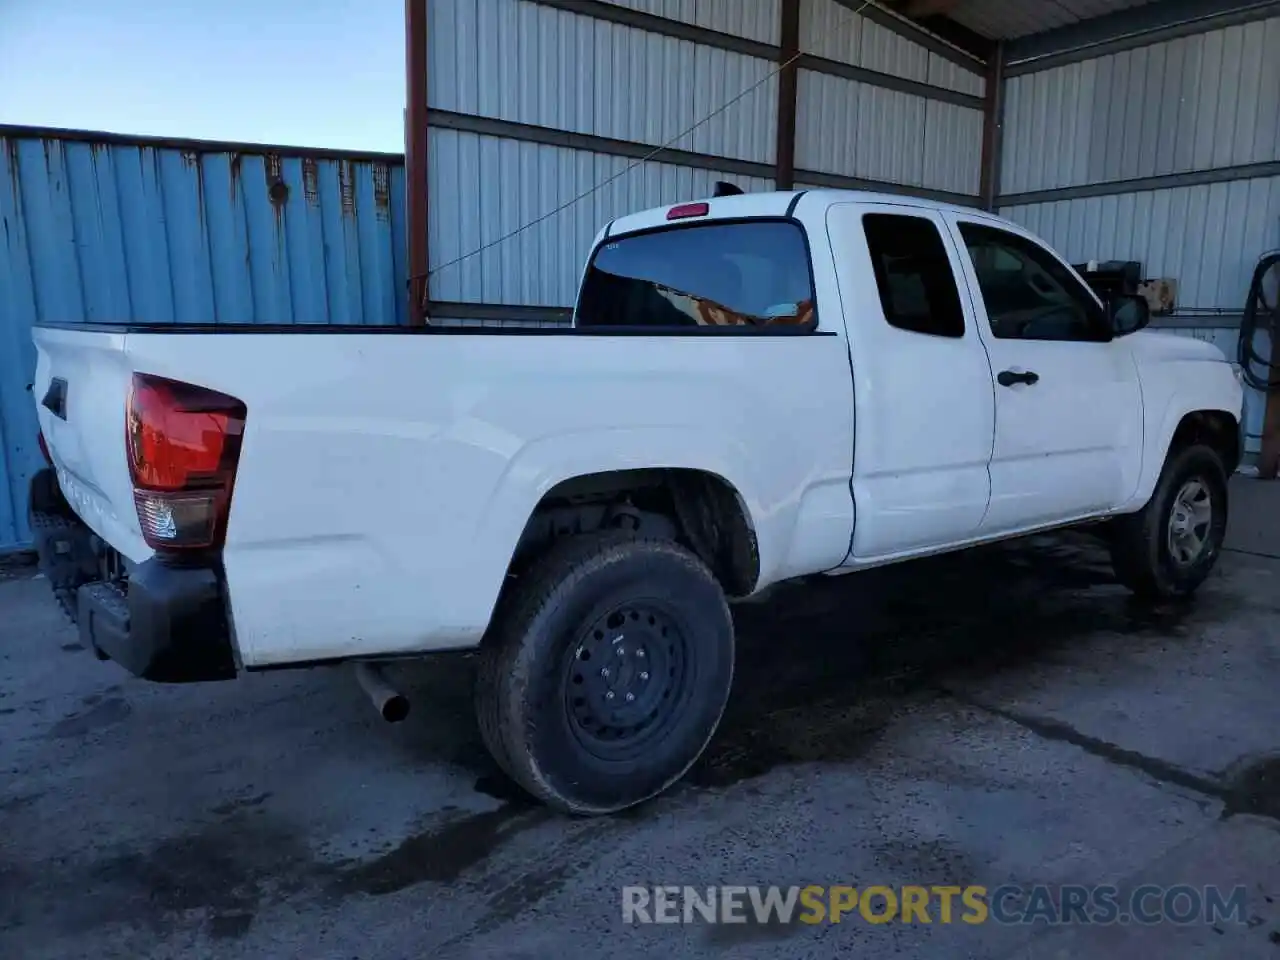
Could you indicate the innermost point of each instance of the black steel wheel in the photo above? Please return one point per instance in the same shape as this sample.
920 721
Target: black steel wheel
626 680
606 672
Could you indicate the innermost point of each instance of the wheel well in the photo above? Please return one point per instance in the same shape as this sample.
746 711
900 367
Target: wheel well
1213 428
694 507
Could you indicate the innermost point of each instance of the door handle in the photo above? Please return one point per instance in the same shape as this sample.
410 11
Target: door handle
1009 377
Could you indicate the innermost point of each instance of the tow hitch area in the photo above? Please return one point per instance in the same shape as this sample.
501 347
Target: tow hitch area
160 622
64 545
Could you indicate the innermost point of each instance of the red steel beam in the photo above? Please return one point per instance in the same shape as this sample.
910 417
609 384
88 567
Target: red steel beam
788 92
415 156
992 129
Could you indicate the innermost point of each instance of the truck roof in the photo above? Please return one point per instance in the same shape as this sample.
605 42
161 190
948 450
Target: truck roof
777 204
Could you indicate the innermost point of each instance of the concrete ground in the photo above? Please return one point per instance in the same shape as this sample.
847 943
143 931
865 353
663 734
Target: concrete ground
1004 716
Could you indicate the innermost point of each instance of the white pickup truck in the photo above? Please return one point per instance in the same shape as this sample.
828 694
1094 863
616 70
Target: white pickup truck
754 388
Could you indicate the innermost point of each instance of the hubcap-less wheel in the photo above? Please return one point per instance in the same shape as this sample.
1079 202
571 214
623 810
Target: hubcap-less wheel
606 672
1190 522
624 680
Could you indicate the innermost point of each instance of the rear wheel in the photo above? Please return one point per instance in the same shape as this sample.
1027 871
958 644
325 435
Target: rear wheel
606 672
1170 547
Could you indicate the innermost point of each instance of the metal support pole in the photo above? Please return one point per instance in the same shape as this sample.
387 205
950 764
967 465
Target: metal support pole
993 128
788 92
415 156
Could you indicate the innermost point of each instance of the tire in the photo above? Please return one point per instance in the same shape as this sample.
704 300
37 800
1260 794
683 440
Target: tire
649 613
1148 555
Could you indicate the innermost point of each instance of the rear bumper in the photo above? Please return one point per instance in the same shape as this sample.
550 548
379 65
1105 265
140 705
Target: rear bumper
168 625
165 623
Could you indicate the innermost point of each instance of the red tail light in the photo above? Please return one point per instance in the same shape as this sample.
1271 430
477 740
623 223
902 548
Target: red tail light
184 445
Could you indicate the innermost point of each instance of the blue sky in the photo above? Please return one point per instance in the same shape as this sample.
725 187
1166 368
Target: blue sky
323 73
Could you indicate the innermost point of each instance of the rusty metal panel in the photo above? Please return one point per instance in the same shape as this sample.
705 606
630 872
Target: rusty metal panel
534 64
833 31
858 130
484 188
106 230
754 19
1197 103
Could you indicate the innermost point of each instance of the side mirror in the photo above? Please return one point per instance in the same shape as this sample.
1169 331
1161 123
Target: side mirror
1129 314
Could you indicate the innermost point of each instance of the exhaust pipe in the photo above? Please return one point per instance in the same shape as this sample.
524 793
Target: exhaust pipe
390 703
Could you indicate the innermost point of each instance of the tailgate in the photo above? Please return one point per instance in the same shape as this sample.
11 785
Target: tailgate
80 391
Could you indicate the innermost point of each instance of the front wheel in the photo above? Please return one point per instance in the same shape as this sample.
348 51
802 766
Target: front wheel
1170 547
606 672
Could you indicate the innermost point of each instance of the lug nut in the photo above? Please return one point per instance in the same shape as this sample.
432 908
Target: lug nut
630 697
644 674
622 651
609 695
640 653
604 672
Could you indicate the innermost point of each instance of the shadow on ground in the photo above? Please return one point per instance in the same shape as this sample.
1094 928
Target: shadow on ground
824 665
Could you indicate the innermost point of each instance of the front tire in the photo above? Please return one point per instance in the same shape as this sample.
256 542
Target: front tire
606 672
1170 547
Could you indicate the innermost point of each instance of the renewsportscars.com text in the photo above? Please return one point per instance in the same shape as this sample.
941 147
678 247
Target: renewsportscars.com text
1008 904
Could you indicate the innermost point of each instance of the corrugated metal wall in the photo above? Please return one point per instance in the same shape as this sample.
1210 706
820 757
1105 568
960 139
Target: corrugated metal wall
1201 102
1208 237
521 62
533 103
520 182
834 32
857 129
1164 154
107 230
755 19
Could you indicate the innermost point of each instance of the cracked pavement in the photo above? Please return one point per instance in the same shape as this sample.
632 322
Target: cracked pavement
1007 715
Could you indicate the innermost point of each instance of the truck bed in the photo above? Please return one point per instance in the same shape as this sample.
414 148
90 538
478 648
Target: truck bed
385 481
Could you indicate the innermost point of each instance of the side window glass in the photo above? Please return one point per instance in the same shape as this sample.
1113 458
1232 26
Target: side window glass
1028 293
917 287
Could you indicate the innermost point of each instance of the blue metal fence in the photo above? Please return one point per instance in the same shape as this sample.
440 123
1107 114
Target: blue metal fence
96 227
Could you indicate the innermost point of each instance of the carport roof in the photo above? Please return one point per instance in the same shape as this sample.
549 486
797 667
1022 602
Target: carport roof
1041 32
1006 19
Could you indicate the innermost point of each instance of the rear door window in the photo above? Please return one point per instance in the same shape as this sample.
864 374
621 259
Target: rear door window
749 275
917 286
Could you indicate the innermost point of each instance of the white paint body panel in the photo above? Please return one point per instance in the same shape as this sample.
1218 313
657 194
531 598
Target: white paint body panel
1069 446
385 478
926 414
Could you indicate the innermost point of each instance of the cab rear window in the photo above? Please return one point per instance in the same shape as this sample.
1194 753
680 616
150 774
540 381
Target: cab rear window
747 274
